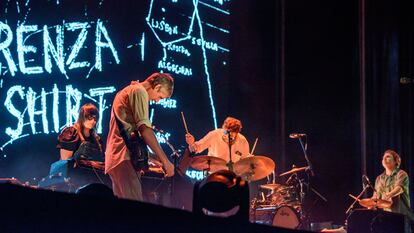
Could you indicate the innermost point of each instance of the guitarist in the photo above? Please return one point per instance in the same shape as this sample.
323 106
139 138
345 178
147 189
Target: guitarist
130 114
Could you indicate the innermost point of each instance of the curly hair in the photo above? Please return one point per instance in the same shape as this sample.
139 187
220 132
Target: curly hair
395 155
232 124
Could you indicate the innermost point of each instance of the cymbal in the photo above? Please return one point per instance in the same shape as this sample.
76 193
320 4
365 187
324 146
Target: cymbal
375 203
254 167
294 170
271 187
209 163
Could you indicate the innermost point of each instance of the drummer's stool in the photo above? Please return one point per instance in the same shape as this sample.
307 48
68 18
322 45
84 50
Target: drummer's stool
377 221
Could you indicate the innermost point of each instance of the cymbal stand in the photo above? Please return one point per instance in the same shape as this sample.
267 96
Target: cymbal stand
271 179
304 146
317 193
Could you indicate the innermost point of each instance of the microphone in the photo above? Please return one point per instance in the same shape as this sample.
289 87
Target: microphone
365 181
297 135
227 132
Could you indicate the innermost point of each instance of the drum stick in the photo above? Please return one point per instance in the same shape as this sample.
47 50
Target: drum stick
354 197
254 146
185 124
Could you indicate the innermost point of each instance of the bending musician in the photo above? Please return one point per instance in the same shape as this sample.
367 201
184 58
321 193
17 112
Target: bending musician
130 110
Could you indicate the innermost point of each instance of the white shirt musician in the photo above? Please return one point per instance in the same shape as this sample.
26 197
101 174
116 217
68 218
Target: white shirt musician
217 141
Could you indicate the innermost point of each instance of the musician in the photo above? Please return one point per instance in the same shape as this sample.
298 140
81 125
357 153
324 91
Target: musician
217 141
393 184
131 106
81 141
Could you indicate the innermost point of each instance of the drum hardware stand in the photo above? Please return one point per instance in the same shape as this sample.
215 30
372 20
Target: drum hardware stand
304 146
301 183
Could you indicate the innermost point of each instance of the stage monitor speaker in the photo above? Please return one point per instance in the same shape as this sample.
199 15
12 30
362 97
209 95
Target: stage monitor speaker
376 221
221 194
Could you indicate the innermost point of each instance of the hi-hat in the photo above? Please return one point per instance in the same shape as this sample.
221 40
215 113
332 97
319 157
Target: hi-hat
208 163
294 170
254 167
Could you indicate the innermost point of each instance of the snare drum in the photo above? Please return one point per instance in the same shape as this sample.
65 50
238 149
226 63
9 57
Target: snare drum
282 216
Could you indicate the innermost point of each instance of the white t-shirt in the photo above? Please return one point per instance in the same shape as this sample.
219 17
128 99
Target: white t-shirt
218 147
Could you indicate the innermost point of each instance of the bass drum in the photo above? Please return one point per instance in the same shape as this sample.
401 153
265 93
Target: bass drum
287 217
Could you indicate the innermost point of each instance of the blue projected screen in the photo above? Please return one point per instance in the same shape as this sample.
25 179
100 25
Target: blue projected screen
56 55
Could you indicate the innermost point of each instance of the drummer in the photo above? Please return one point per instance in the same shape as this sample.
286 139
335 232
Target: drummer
217 141
393 184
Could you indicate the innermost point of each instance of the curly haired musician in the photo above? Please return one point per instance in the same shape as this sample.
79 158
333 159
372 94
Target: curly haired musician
393 184
131 106
217 141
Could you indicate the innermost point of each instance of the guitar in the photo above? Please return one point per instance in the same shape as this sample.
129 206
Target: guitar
138 151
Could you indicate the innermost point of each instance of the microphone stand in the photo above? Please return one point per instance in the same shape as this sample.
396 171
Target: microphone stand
230 163
367 182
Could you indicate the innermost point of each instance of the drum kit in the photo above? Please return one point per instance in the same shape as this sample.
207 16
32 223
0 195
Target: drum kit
251 168
281 205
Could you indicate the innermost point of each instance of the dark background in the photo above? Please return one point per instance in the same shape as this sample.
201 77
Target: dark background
332 70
